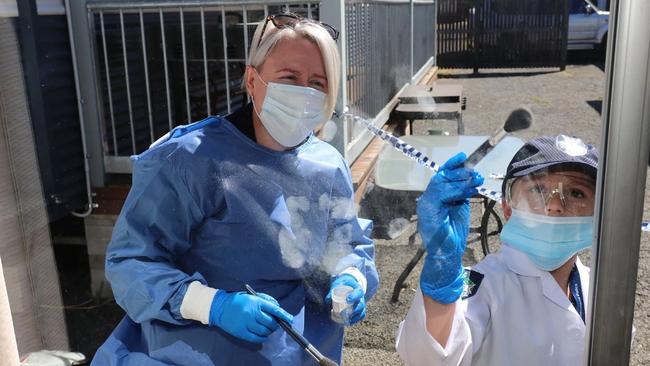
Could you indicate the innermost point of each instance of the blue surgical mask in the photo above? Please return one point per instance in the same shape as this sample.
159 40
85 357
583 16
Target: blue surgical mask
549 241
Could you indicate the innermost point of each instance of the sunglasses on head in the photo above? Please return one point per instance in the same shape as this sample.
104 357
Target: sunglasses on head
290 20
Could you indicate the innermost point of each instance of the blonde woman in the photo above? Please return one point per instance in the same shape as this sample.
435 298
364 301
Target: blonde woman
250 198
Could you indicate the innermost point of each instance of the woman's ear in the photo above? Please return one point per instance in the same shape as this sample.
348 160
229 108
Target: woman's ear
507 210
250 78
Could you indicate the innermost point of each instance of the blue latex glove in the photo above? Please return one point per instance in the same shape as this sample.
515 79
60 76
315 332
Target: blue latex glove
247 317
355 297
443 222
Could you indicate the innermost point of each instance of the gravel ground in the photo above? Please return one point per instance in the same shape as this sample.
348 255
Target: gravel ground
562 102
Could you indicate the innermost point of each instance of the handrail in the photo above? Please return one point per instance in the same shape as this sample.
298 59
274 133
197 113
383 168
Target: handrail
112 4
390 1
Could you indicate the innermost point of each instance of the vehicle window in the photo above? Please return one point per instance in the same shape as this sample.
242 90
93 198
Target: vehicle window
576 7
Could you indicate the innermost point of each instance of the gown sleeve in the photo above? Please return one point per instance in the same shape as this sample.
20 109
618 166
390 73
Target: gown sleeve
153 230
350 236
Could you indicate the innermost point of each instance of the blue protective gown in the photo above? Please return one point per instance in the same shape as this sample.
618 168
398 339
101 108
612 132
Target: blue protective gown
211 205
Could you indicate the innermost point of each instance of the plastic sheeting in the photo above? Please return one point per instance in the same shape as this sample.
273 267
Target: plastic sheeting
8 346
25 245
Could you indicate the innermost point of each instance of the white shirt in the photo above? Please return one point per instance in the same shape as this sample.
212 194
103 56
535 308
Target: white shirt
518 315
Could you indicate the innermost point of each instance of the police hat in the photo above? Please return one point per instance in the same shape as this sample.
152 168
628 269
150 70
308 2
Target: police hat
544 152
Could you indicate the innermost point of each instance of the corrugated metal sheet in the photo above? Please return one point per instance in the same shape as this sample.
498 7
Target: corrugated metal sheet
58 138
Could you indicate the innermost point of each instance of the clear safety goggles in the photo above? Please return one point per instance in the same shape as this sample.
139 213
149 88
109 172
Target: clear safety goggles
541 192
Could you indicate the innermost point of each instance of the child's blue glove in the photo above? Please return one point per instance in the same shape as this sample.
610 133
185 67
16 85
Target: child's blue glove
443 222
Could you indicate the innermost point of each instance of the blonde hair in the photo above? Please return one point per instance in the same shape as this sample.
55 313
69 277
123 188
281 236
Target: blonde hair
315 33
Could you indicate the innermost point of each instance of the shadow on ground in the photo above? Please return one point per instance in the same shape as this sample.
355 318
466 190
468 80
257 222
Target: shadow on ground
578 57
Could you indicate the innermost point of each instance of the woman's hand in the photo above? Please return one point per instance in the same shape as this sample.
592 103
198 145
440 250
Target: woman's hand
248 317
355 298
443 222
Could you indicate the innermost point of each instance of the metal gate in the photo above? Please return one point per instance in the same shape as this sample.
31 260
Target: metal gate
502 33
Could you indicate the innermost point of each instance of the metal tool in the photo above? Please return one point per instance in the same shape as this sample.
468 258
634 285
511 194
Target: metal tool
302 341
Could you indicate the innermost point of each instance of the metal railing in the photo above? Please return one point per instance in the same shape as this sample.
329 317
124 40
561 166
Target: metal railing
378 51
162 63
389 44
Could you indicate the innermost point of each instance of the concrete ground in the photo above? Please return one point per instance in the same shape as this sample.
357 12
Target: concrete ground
565 102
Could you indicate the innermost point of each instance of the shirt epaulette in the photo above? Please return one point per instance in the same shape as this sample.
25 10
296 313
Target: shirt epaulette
472 280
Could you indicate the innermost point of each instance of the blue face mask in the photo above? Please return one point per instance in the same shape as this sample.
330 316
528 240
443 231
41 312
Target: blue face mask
547 240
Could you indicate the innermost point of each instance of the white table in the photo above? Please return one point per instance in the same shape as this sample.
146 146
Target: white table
396 171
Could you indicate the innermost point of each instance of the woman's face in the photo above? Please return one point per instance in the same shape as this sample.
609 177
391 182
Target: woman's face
294 61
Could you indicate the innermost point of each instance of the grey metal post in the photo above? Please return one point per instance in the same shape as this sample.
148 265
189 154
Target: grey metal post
333 12
79 19
225 54
435 35
621 183
412 36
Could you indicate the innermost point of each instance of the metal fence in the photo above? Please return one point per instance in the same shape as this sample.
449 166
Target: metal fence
424 33
388 42
502 33
162 63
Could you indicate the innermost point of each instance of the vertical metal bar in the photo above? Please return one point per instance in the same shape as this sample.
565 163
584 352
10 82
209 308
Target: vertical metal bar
187 82
374 81
108 83
625 143
362 58
83 34
435 33
565 36
245 12
266 11
164 51
309 11
128 82
225 54
146 75
205 63
359 49
370 68
412 16
82 119
333 12
352 22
